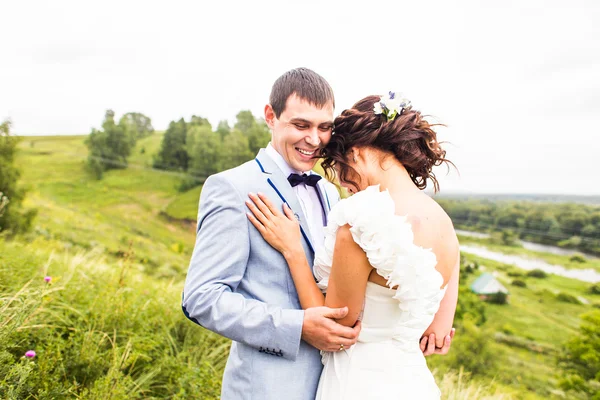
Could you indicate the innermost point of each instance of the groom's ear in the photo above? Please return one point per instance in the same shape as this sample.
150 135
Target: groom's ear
269 116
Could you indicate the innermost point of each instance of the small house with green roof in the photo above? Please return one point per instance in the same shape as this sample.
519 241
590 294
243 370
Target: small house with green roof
486 285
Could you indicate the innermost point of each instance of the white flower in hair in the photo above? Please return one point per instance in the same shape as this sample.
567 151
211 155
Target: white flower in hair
391 105
377 109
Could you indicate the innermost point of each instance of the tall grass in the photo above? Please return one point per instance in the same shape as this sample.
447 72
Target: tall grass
457 386
99 331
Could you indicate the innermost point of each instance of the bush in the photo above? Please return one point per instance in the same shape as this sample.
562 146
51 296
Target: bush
497 298
13 218
473 351
594 289
567 298
514 274
578 258
545 295
519 283
537 273
469 307
579 358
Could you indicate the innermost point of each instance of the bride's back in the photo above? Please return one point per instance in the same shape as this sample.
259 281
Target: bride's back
432 229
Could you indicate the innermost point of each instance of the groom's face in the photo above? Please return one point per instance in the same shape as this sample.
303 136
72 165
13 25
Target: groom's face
300 132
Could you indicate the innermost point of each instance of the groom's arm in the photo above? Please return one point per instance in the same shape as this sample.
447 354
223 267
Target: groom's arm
218 265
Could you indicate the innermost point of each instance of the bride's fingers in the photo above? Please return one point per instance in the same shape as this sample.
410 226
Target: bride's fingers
261 205
446 347
257 213
269 204
430 345
288 212
256 223
423 343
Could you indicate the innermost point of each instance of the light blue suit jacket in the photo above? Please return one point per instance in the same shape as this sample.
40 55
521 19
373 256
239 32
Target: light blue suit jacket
240 287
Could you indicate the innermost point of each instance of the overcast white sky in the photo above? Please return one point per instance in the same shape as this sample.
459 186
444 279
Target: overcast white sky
517 82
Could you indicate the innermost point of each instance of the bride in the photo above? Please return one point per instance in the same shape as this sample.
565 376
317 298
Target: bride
389 251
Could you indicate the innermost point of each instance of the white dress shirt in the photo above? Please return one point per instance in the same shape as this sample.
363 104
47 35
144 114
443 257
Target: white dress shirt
308 197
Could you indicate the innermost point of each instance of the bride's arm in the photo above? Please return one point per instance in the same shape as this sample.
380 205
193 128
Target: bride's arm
283 233
349 272
309 293
441 327
349 275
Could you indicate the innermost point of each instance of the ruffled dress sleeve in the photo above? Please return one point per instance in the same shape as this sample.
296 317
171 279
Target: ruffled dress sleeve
388 241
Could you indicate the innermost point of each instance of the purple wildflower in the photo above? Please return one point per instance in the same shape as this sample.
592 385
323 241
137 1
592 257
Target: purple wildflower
30 354
392 95
47 279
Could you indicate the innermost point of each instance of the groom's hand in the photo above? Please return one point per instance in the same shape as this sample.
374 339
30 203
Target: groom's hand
321 331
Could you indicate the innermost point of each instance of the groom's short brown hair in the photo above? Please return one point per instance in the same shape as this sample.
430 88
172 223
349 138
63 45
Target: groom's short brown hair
306 84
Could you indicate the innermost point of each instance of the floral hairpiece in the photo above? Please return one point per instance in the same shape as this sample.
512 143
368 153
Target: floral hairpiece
391 105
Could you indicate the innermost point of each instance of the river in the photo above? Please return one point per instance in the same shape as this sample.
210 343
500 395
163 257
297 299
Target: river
586 275
543 248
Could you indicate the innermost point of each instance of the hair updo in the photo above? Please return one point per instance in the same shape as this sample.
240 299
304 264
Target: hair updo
409 138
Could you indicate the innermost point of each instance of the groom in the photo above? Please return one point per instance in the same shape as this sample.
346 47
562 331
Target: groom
238 285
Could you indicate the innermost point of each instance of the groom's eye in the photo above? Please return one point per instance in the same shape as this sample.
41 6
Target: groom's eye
300 126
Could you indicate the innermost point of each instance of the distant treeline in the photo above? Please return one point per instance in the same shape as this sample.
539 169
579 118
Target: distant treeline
544 198
192 147
563 224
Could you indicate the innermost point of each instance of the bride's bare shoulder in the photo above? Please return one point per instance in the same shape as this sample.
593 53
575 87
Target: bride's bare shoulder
432 229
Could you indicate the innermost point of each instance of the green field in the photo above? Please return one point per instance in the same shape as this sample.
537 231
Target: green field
111 323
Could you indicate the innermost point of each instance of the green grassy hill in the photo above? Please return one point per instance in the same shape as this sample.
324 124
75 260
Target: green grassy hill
122 210
110 322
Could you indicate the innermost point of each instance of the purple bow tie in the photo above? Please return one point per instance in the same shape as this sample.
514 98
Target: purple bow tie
310 180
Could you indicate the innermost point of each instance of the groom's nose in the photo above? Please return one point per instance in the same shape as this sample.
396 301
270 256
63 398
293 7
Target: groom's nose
312 137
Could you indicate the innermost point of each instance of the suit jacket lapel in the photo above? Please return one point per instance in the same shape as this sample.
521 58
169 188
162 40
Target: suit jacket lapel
282 187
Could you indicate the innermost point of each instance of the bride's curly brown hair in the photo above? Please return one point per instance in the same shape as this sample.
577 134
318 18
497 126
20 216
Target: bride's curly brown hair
409 137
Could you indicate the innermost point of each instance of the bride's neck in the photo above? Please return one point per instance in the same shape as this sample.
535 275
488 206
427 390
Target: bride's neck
393 177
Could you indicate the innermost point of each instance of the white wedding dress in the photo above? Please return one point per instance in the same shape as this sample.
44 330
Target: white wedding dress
386 362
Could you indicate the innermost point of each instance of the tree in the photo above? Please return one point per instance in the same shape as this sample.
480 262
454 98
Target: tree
173 154
258 137
197 120
108 147
137 126
12 217
573 221
244 121
257 132
204 148
580 358
223 129
235 150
